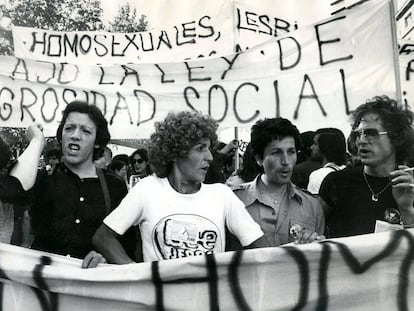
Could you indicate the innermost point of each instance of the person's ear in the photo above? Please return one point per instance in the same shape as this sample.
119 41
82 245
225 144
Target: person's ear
259 160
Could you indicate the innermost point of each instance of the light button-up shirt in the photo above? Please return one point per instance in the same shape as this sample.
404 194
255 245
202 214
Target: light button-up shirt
296 206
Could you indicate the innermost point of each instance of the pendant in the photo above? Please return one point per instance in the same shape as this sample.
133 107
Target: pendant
374 197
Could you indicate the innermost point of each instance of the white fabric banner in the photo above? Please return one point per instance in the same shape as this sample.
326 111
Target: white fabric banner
368 272
200 29
258 21
314 76
406 58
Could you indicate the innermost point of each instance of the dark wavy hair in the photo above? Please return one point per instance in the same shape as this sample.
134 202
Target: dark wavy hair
176 135
397 121
264 131
141 152
102 132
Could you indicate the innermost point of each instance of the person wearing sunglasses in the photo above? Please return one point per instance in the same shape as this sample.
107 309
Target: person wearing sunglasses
178 215
139 166
355 198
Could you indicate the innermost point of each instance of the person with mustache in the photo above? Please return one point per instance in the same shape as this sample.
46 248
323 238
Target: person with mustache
70 204
285 212
355 198
178 215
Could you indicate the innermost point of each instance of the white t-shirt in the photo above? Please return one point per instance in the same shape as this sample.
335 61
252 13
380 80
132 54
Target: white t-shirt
317 176
175 225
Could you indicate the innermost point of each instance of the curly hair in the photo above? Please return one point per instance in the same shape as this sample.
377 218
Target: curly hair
264 131
102 132
176 135
397 121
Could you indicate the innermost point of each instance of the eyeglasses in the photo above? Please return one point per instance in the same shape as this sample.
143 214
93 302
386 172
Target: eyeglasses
368 134
139 161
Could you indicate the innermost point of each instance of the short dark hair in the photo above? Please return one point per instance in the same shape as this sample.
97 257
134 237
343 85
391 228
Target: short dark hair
54 153
121 157
264 131
176 135
250 168
306 142
396 120
332 145
102 132
116 165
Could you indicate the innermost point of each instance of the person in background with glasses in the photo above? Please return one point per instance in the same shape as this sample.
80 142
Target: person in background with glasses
355 198
139 166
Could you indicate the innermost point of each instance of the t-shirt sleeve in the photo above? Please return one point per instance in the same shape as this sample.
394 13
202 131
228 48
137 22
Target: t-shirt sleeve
314 184
10 189
129 211
326 190
239 222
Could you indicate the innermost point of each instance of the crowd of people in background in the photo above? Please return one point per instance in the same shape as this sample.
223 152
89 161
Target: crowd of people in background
182 195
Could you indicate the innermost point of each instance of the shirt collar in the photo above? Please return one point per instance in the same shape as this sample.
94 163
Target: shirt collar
253 192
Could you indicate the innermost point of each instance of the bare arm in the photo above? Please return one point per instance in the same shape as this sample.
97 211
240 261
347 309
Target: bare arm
25 169
259 243
106 242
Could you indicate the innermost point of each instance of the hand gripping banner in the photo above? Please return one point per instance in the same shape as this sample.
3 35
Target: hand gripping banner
367 272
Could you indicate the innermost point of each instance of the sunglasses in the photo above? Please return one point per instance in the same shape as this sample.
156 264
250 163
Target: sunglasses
139 161
368 134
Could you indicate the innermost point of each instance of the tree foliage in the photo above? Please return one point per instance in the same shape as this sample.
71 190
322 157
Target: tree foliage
68 15
65 15
127 20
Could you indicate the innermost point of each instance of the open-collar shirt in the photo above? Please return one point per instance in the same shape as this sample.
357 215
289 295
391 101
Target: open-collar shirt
277 215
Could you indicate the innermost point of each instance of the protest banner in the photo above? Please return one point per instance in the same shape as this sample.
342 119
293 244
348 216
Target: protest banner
406 59
201 29
181 38
314 76
257 22
366 272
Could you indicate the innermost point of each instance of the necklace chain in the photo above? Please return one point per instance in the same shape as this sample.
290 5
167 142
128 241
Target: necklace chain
374 196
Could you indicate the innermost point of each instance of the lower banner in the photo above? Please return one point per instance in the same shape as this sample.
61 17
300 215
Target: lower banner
368 272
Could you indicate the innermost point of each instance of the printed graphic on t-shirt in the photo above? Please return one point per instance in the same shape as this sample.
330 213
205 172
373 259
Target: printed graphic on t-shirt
183 235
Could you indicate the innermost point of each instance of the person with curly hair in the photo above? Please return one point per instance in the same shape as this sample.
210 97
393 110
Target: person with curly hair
178 215
355 198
